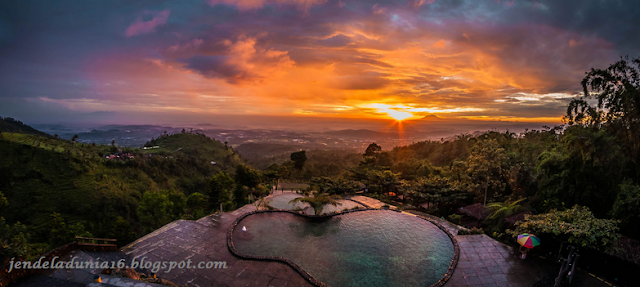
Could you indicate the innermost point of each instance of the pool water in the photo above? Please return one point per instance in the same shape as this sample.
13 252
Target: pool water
366 248
281 201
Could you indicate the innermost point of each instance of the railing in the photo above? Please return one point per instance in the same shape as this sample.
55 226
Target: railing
93 244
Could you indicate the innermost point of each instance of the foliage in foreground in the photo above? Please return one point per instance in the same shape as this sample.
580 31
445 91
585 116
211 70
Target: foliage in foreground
318 200
53 190
576 226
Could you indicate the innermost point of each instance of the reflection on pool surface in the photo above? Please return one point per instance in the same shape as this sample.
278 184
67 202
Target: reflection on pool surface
367 248
281 201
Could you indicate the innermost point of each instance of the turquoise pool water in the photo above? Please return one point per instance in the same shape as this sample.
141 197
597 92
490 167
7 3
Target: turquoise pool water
281 201
367 248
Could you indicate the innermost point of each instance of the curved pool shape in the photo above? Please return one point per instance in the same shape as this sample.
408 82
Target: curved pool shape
281 201
366 248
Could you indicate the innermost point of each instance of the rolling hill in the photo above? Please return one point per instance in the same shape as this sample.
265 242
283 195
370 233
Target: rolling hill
56 187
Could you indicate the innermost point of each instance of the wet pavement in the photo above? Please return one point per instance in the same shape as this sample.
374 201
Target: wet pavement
205 240
483 261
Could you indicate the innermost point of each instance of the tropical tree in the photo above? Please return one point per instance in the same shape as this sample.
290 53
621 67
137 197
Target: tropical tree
500 210
3 200
220 189
586 169
627 207
299 158
373 150
385 180
487 167
241 194
275 172
155 209
247 176
335 186
576 226
617 108
13 239
120 229
318 200
196 205
344 186
438 190
322 183
62 233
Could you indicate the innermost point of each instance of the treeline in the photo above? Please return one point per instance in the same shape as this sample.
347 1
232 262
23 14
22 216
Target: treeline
11 125
52 190
590 161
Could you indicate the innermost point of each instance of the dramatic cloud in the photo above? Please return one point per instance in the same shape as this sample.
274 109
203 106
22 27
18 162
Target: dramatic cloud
141 26
242 61
507 60
254 4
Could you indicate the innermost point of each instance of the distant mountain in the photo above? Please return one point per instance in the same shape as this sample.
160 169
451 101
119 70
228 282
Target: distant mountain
11 125
431 117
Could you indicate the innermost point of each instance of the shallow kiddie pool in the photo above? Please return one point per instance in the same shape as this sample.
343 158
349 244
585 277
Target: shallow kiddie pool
366 248
281 201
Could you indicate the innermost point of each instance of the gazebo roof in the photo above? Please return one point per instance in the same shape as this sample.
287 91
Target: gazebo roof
475 210
517 217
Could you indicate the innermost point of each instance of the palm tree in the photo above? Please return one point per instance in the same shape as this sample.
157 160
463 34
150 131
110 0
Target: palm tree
318 201
505 209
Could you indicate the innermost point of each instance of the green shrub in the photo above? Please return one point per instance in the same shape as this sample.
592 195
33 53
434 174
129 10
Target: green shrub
472 231
455 218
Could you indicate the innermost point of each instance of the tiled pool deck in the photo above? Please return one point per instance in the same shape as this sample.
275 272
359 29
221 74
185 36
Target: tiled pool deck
483 261
205 240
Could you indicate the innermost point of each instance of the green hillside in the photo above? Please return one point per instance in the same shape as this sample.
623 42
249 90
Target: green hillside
52 189
11 125
194 145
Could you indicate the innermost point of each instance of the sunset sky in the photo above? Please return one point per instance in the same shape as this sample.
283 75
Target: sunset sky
191 60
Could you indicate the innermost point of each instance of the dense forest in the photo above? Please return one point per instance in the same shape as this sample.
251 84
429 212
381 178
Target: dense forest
52 190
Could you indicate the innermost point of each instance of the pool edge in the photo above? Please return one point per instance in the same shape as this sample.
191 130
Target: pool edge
309 277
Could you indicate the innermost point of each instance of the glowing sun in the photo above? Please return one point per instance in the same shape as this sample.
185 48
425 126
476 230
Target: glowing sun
399 115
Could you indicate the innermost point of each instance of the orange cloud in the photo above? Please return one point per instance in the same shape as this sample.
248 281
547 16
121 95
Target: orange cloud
348 67
139 26
304 5
440 44
243 62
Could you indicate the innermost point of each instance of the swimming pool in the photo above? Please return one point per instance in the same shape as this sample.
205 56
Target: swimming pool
365 248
